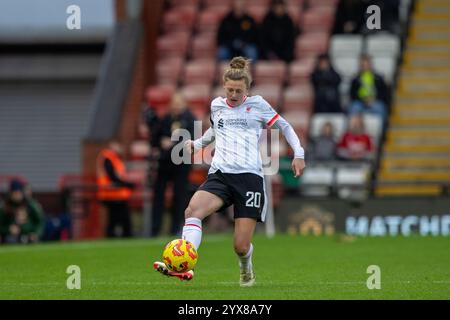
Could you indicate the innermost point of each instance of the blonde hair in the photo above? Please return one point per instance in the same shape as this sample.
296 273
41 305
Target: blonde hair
239 70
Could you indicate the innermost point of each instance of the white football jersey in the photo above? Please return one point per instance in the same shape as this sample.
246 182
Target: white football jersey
237 133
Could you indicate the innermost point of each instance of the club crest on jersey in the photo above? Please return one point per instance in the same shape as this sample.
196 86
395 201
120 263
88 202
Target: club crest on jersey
220 124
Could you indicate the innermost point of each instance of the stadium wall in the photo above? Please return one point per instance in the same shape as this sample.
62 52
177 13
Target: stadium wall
375 217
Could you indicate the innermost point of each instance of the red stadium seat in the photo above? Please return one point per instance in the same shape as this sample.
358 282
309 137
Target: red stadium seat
173 44
299 120
298 98
201 71
198 98
222 67
168 71
218 91
311 44
271 93
179 19
295 12
318 19
270 72
184 3
322 3
209 19
257 11
159 96
300 70
264 3
215 3
204 46
139 149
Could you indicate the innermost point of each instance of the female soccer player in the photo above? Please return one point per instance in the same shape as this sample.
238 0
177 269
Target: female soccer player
236 174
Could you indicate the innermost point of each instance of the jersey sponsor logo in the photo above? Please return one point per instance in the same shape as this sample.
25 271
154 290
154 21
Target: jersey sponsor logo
220 124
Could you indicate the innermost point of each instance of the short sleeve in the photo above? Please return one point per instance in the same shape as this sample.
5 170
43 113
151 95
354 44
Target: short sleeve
268 114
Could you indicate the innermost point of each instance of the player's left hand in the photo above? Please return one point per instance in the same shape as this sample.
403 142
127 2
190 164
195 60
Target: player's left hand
298 165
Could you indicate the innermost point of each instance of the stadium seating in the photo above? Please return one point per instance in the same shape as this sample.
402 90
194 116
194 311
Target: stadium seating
295 12
204 46
217 3
210 18
173 44
383 45
179 19
159 96
318 181
311 44
168 71
374 127
270 72
386 66
298 98
139 150
339 122
346 45
272 93
346 66
300 70
201 71
257 11
299 120
317 19
198 98
352 181
184 3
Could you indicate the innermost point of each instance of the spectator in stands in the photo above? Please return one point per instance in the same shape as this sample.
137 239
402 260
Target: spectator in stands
368 91
179 117
349 17
356 144
368 83
114 190
21 218
326 82
324 146
278 33
238 34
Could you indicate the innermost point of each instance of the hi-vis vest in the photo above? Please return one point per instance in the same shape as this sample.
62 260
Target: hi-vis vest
106 189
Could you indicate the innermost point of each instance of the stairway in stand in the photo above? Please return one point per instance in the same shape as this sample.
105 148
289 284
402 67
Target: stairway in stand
416 155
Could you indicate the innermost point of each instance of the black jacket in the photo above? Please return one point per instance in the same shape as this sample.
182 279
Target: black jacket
164 128
380 85
278 36
326 90
242 29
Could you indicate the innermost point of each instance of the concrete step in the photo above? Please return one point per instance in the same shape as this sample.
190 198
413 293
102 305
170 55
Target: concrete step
409 176
421 106
392 163
430 35
402 189
424 149
419 141
421 97
427 42
428 75
423 86
416 154
427 62
417 132
420 102
433 16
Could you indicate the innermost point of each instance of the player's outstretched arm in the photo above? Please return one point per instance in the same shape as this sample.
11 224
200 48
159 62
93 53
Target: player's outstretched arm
202 142
298 164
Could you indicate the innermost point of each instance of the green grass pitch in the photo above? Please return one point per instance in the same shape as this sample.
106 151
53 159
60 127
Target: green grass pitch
287 267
